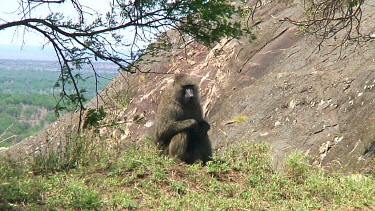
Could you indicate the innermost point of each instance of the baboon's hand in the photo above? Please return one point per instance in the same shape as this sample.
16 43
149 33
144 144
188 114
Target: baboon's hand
204 127
187 124
193 123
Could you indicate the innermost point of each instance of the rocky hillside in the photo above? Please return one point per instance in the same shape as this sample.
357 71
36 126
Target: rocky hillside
277 89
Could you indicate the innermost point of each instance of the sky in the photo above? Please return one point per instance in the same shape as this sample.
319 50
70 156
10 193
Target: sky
16 43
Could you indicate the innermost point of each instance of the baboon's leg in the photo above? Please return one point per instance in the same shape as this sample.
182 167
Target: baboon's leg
201 150
178 147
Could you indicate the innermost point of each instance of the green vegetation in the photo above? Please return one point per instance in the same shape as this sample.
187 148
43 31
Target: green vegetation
27 103
93 117
89 176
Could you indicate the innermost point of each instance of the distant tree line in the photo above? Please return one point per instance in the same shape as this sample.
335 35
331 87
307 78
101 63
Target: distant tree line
21 115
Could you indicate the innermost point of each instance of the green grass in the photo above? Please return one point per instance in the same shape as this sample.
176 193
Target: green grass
96 175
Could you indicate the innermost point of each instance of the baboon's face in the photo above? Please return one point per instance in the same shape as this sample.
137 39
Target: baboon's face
188 94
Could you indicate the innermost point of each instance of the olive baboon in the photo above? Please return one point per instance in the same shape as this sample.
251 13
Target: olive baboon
180 130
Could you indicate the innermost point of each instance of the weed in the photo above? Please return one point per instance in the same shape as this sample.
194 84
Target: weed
240 118
93 117
297 166
217 166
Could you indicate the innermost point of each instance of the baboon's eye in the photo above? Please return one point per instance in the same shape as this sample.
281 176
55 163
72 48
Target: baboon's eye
189 91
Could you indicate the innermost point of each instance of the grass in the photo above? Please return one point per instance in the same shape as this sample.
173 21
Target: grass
105 178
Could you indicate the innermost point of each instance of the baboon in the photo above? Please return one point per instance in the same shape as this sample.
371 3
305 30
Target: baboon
180 130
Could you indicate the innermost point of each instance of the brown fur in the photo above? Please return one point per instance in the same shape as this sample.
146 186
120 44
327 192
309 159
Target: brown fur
180 130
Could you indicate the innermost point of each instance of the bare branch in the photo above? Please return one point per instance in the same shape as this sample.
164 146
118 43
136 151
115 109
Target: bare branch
338 19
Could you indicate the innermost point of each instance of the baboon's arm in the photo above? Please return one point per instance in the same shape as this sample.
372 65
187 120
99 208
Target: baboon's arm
177 127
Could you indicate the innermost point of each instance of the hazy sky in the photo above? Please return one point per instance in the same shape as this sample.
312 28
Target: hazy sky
23 41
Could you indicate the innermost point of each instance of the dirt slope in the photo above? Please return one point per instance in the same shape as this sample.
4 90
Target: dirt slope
276 89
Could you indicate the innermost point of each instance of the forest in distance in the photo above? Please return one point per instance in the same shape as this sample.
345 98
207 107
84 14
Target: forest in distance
26 95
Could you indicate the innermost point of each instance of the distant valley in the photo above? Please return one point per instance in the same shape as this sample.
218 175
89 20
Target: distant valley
45 65
27 94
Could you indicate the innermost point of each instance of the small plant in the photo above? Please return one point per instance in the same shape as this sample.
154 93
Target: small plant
64 157
240 118
217 167
179 187
297 166
122 101
93 117
84 198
